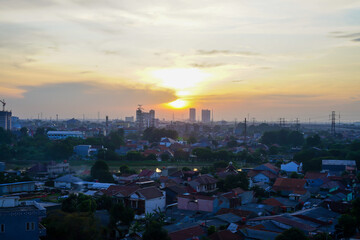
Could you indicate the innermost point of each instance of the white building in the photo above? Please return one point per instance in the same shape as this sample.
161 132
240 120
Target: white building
58 135
292 167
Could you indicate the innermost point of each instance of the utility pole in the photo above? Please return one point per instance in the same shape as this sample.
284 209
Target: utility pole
333 119
297 125
245 131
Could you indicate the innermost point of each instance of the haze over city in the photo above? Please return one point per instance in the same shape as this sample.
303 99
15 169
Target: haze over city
293 59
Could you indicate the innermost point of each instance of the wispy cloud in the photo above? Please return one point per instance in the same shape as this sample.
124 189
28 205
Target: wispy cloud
227 52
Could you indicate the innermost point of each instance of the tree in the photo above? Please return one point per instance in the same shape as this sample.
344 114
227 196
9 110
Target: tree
71 226
346 225
154 231
211 230
293 234
313 141
78 203
236 180
355 211
100 171
120 213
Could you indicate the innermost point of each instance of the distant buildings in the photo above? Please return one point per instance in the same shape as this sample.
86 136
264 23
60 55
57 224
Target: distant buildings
144 119
21 220
129 119
5 120
192 115
205 115
337 167
59 135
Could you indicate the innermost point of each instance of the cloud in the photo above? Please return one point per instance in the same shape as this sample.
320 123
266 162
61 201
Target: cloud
206 65
355 37
227 52
88 98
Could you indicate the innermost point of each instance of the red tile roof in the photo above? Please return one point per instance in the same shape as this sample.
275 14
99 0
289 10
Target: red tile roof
237 212
290 184
146 173
315 175
187 233
206 179
150 192
225 235
272 202
123 190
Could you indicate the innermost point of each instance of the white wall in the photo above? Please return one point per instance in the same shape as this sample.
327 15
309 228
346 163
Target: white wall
153 204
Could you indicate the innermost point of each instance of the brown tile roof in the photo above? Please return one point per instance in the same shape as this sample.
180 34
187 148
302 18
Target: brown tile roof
238 190
123 190
272 167
290 184
206 179
237 212
146 173
272 202
225 235
315 175
195 196
150 192
253 173
187 233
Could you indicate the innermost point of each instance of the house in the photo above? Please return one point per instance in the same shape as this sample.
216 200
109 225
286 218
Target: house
51 169
67 181
316 179
268 167
309 221
229 170
59 135
165 141
261 176
282 204
337 167
149 174
291 167
194 232
147 200
172 192
87 151
204 183
196 202
9 188
291 187
21 220
238 197
225 234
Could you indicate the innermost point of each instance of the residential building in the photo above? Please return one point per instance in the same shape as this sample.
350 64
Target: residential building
192 115
51 169
204 183
337 167
5 120
291 167
292 187
59 135
197 202
144 119
147 200
21 220
205 116
67 181
9 188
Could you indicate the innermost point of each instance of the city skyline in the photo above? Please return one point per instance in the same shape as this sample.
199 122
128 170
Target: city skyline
282 59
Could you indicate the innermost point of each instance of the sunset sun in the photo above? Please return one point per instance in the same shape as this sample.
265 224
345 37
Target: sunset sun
178 104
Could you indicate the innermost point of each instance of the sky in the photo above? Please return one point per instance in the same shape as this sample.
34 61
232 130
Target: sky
257 59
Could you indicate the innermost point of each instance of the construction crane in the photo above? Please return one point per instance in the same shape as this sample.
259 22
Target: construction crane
3 103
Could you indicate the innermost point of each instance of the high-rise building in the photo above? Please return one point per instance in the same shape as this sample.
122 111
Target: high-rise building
5 120
205 116
144 119
192 115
